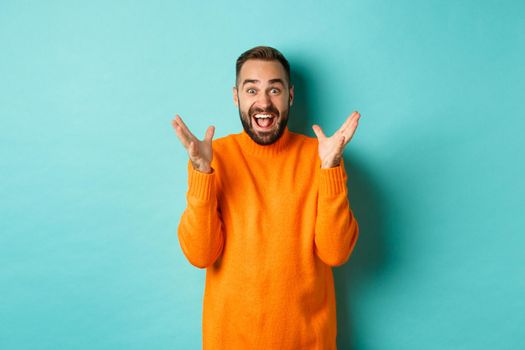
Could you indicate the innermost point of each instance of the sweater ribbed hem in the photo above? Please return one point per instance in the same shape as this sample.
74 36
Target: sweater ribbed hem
332 181
200 185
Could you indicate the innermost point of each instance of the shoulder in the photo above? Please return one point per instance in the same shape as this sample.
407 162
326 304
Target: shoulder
224 142
304 141
226 146
305 147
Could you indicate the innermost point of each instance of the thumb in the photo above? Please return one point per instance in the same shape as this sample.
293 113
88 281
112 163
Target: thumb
318 131
209 133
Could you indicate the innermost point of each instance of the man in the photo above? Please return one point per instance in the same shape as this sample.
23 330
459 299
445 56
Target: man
268 216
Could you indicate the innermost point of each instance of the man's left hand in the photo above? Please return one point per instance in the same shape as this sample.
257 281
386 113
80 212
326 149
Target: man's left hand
331 148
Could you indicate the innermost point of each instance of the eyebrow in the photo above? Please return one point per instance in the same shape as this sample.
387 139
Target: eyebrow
271 81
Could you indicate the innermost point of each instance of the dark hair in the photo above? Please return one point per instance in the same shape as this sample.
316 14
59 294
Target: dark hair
265 53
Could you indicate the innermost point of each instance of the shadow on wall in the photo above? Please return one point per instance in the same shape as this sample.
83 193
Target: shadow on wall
300 118
369 257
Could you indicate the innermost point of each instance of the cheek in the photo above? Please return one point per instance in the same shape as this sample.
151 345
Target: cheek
241 103
245 108
281 103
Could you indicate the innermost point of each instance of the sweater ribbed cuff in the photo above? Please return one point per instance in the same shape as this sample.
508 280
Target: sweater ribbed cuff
201 185
332 181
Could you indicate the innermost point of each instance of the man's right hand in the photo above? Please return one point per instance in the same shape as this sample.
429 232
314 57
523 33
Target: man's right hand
200 152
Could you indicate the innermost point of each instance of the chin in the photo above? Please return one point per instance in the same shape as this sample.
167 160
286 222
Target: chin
264 138
268 137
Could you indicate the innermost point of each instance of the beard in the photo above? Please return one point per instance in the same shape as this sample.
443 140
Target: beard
269 137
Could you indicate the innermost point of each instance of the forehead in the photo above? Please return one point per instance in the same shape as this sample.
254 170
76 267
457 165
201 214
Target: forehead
262 70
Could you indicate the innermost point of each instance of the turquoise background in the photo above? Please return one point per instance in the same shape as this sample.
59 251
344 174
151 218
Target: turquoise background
93 178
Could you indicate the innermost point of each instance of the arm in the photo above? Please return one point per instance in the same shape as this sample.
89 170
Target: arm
336 229
199 232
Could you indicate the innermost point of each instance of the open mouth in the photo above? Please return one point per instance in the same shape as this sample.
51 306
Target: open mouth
264 121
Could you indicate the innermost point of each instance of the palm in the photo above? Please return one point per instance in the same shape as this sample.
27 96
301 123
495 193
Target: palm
331 148
203 151
200 152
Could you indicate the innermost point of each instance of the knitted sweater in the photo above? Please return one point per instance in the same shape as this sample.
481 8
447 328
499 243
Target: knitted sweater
268 224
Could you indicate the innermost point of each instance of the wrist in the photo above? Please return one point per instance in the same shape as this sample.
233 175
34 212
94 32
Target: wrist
332 164
203 168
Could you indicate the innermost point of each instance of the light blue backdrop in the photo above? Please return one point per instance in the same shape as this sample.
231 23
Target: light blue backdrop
93 178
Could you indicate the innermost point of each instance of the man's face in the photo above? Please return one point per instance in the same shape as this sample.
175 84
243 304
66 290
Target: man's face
264 98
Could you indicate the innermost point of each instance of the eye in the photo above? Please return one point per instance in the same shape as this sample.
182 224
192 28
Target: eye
275 91
250 91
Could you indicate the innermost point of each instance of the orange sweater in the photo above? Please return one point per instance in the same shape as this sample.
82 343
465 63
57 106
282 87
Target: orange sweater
268 224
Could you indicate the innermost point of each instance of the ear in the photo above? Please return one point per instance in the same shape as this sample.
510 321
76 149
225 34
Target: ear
291 94
235 96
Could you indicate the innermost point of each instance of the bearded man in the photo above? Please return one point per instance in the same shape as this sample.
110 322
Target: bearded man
268 216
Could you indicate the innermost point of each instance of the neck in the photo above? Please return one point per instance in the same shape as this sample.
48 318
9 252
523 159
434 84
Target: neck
275 148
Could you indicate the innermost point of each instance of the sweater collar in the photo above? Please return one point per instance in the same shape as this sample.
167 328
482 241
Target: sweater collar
275 148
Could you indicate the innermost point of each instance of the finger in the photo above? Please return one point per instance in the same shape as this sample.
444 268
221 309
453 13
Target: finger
348 121
350 131
184 128
176 122
181 135
185 132
345 124
318 131
209 133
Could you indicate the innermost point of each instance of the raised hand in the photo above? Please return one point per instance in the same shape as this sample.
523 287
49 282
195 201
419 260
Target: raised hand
331 148
200 152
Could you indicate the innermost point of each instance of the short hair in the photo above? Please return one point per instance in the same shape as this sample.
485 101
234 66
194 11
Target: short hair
265 53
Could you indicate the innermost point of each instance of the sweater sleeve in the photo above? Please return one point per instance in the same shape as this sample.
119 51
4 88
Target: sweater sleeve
200 227
336 228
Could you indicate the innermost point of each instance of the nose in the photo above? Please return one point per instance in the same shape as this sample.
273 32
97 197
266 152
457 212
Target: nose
264 100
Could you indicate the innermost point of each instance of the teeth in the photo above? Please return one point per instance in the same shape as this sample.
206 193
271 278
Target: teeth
263 116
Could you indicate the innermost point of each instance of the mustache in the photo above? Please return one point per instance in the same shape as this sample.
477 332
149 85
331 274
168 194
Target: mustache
270 110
